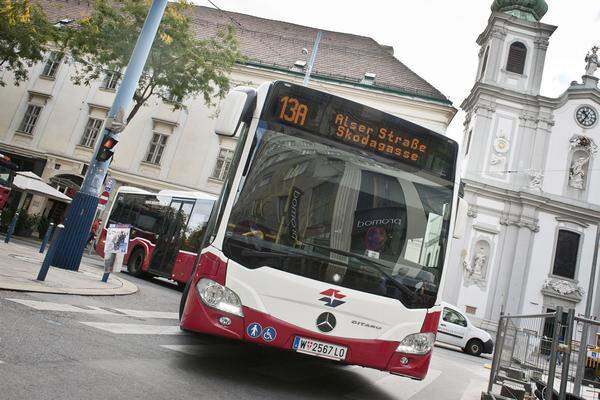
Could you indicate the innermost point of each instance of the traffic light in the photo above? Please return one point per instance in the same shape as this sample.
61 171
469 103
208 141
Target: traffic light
106 148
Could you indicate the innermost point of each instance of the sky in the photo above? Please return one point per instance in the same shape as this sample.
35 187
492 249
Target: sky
436 38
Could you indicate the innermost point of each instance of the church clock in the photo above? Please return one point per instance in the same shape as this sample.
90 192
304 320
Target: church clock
586 116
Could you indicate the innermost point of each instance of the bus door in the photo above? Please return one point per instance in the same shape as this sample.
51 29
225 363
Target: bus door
170 234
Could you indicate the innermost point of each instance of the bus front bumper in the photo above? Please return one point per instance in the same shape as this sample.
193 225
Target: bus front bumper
372 353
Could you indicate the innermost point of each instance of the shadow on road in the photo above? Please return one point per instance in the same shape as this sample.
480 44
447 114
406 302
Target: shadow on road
252 370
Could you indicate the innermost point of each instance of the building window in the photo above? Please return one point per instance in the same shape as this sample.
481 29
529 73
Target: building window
156 149
565 258
52 64
90 134
30 119
111 80
485 60
173 98
516 58
223 163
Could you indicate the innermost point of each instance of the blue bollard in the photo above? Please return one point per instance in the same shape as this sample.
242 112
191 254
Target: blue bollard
11 228
105 277
50 254
47 237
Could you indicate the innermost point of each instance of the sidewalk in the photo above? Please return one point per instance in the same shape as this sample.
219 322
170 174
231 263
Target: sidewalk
20 264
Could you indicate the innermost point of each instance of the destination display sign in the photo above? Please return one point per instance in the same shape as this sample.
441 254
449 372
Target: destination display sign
361 127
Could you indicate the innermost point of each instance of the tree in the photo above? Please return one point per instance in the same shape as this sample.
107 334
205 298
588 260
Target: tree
179 65
24 33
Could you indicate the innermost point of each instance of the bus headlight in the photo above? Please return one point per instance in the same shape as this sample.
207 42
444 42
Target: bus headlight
417 343
219 297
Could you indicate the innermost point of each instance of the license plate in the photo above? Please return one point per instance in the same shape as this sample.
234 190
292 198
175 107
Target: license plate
320 349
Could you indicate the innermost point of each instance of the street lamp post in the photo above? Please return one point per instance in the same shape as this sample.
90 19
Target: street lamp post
80 214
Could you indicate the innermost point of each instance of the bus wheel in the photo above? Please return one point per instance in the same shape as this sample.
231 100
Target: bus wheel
474 347
136 260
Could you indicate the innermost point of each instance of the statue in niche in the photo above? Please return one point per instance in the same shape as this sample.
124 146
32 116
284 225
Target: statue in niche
577 172
479 262
592 62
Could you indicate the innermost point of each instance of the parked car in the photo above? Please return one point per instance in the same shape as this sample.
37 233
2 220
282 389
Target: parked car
455 328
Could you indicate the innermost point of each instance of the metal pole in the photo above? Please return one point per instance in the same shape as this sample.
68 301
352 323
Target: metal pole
553 353
313 57
588 311
50 254
564 376
11 227
81 213
47 237
497 351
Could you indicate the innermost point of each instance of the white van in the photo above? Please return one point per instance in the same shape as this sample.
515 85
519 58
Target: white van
455 328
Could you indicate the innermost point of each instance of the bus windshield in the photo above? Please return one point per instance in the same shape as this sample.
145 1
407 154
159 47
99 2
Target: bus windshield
182 222
325 211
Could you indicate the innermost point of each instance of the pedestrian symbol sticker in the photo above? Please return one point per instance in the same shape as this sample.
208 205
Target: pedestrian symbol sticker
269 334
254 330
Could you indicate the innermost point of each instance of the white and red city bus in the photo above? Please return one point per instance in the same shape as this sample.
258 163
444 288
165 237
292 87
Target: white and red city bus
167 229
330 234
7 175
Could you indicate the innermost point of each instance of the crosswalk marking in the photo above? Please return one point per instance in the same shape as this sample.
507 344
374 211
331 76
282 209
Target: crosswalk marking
136 329
50 306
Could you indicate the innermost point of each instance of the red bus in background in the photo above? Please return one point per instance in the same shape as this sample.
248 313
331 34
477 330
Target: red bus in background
166 230
7 175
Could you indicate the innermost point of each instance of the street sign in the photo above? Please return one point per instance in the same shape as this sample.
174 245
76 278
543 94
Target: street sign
104 198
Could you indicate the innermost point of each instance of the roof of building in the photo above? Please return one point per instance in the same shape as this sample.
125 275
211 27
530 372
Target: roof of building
531 10
274 44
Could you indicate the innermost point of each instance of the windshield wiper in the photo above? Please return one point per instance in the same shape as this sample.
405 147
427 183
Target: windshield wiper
378 266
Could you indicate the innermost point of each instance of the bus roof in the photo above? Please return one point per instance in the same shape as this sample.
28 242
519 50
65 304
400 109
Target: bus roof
185 194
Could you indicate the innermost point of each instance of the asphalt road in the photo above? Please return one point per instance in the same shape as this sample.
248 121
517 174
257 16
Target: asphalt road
129 347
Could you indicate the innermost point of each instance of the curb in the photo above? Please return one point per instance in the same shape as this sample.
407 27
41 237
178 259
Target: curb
120 286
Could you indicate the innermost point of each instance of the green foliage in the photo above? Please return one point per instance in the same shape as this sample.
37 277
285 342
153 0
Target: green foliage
24 33
26 223
179 63
43 223
5 217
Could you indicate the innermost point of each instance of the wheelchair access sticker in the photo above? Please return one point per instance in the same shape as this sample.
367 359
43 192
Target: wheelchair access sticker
269 334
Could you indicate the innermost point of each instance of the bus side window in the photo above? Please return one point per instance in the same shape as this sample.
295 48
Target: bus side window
196 228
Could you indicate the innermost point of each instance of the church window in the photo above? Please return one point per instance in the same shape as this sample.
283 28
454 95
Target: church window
565 258
485 60
516 58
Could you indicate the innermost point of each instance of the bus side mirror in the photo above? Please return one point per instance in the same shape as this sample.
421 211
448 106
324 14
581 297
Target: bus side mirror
236 107
460 222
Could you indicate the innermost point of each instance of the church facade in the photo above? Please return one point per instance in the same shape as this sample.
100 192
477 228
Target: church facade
531 176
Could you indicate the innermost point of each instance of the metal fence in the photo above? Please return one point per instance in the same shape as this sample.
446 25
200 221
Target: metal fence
540 357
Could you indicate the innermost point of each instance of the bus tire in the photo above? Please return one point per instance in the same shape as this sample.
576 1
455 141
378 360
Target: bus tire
184 295
474 347
135 262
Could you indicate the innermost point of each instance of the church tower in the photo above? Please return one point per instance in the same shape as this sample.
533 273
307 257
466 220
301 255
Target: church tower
507 126
504 122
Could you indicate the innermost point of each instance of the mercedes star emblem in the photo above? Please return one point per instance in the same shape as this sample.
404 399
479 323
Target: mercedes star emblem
326 322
